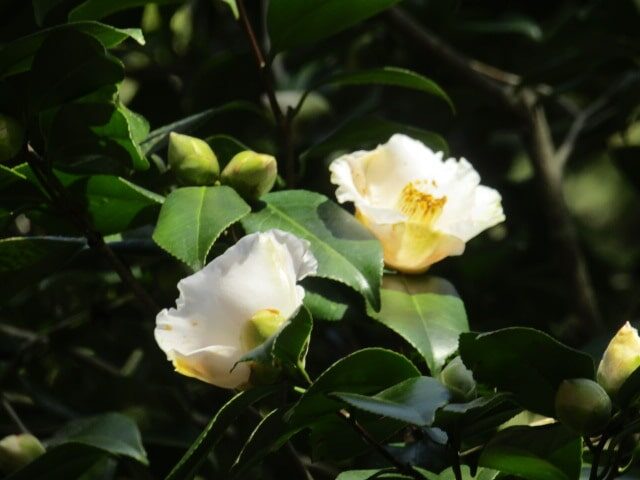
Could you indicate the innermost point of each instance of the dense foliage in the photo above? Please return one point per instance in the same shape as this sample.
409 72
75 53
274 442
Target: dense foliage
144 144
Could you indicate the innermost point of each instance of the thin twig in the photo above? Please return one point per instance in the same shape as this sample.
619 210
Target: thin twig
403 468
284 120
60 198
14 415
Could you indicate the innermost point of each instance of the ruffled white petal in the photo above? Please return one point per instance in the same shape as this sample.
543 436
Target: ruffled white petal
259 272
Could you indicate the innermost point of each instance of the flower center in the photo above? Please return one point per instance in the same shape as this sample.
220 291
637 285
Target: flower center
418 205
261 327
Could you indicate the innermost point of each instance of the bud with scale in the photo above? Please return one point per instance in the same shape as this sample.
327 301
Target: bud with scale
192 160
11 137
250 174
16 451
583 406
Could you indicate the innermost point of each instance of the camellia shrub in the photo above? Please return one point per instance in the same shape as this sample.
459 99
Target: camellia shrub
261 286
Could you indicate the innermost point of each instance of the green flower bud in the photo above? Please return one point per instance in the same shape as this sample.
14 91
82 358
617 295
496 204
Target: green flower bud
620 359
192 160
251 174
11 137
583 406
16 451
459 380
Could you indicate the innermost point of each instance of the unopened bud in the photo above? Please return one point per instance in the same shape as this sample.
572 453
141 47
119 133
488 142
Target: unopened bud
251 174
583 406
16 451
459 380
620 359
192 160
11 137
261 327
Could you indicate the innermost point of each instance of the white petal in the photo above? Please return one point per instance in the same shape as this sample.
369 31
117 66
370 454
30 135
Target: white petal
214 365
259 272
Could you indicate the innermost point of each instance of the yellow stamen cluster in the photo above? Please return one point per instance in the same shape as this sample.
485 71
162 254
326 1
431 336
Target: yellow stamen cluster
420 206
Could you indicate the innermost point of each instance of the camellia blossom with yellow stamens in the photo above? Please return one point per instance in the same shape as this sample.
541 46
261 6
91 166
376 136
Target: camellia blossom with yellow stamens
234 304
422 208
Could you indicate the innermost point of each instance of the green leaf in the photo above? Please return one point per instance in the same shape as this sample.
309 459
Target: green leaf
366 371
477 417
390 76
113 203
426 312
536 453
98 9
112 432
368 132
67 461
526 362
413 401
234 7
326 299
93 138
192 218
271 434
26 260
16 56
294 23
345 250
188 465
159 137
41 8
68 65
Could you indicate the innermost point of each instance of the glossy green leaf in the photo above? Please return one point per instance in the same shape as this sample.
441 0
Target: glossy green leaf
192 218
271 434
68 65
16 56
365 372
537 453
526 362
368 132
327 299
334 440
26 260
477 417
112 432
98 9
293 23
65 462
233 6
188 465
413 401
159 137
345 250
390 76
426 312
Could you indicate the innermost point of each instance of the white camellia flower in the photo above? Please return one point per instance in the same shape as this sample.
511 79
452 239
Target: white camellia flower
233 304
422 208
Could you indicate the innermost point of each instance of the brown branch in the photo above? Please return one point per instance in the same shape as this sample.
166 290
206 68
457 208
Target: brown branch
403 468
284 120
60 198
525 102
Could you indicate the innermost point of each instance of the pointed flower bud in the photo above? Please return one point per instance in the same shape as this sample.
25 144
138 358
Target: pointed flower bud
620 359
251 174
16 451
583 405
192 160
11 137
459 380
